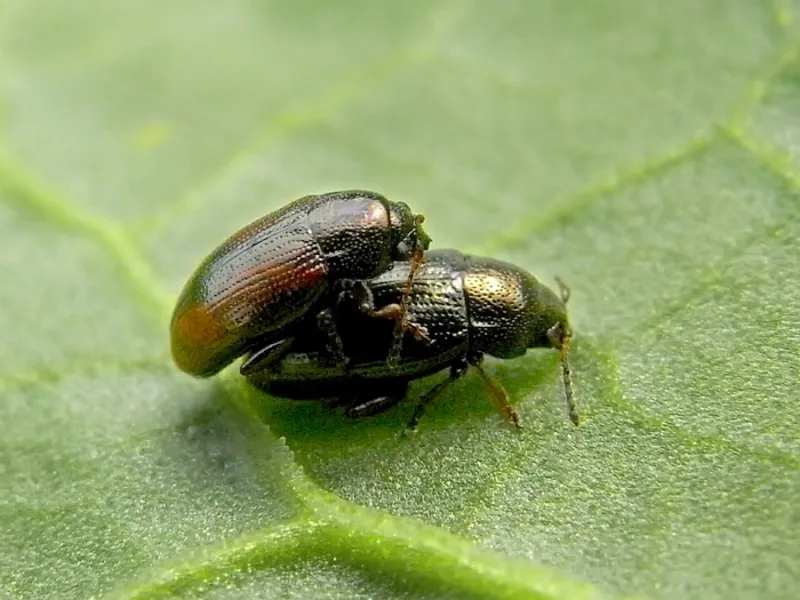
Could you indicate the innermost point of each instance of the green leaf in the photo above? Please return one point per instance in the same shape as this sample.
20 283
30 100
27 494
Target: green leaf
643 151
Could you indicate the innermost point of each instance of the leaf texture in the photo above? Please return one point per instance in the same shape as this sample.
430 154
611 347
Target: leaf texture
645 152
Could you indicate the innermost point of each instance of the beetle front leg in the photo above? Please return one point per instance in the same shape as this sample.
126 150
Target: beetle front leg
497 391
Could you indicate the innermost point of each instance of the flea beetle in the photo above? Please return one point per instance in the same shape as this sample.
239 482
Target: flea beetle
467 306
250 291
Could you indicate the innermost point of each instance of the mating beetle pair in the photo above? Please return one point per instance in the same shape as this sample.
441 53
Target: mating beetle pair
331 297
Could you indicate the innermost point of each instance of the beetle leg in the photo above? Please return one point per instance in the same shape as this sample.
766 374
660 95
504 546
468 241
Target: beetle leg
265 357
377 405
456 372
365 404
333 342
395 312
497 391
356 291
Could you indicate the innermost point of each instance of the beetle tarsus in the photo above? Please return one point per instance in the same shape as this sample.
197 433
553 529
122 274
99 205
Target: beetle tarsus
420 333
354 291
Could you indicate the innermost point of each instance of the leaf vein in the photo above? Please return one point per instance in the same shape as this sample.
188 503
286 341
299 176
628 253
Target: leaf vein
691 440
755 92
400 548
616 181
32 193
774 160
277 130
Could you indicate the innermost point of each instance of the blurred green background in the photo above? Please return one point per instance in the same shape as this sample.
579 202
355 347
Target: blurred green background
644 151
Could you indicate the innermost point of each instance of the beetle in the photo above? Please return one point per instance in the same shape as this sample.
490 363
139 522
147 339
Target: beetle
467 306
252 289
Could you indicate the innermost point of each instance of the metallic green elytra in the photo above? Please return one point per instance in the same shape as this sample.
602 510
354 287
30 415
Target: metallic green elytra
460 308
258 283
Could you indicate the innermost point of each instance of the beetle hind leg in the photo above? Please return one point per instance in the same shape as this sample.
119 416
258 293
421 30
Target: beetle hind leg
381 401
456 372
373 406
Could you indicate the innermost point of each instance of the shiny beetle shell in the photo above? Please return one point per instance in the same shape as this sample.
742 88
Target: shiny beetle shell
467 305
270 273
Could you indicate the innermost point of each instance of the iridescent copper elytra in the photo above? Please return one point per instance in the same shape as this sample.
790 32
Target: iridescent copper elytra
248 293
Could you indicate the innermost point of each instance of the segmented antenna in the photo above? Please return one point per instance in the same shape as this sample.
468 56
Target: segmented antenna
565 373
563 289
566 376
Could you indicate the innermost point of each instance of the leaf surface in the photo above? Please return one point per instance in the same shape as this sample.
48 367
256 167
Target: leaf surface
645 153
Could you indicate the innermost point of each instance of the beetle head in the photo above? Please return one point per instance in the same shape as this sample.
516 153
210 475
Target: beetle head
408 236
551 327
509 311
558 335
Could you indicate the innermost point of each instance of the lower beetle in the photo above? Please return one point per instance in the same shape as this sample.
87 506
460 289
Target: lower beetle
267 276
464 307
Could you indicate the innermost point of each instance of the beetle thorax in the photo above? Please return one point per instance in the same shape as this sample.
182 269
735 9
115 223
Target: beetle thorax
496 306
354 234
509 310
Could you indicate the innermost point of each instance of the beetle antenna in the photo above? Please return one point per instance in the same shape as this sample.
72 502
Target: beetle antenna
563 289
566 376
401 324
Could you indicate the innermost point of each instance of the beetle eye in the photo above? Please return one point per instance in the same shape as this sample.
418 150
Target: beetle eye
403 250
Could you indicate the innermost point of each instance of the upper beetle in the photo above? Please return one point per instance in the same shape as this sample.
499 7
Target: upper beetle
467 306
268 275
